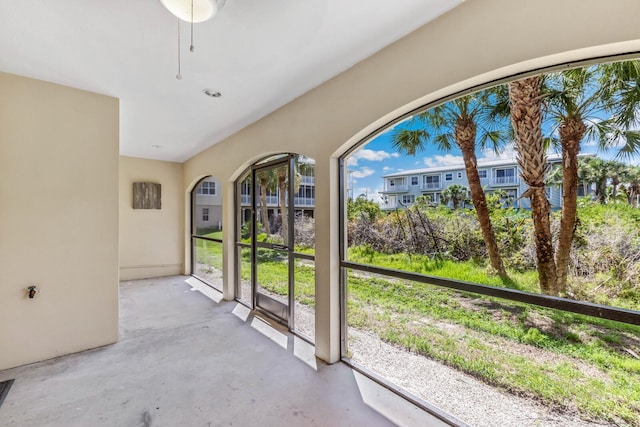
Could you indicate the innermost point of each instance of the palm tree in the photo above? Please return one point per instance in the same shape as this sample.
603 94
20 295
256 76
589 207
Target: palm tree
525 99
603 172
618 175
621 93
456 194
596 170
263 179
461 122
282 173
575 102
301 166
573 99
632 189
267 181
554 177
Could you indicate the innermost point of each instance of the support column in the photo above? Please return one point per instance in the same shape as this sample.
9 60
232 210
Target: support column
228 242
327 261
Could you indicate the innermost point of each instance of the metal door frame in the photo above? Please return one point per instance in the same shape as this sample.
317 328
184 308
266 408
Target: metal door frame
288 248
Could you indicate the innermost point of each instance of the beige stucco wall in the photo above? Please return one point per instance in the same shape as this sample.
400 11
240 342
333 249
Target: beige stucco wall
477 42
58 220
151 240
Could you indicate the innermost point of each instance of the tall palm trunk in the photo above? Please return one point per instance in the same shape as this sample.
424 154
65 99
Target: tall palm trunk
465 136
602 190
615 181
633 194
571 131
262 176
282 187
526 119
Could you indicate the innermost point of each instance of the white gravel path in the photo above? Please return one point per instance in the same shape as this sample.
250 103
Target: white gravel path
459 394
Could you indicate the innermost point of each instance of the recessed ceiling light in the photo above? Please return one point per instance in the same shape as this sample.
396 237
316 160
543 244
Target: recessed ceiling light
212 93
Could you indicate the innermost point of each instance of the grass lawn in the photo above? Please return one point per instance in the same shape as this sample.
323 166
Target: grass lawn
568 361
273 271
208 254
272 268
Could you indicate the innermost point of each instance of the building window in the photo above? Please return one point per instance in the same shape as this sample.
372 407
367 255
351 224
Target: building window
392 183
306 191
205 214
434 198
512 196
414 180
431 181
448 177
505 176
408 199
245 188
482 173
459 175
207 187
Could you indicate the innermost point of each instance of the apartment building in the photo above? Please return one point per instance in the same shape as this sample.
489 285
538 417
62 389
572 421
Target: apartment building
401 189
207 200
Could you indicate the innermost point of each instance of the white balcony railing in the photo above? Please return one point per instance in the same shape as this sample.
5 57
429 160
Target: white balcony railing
397 188
388 205
431 186
504 180
308 180
272 201
304 201
245 200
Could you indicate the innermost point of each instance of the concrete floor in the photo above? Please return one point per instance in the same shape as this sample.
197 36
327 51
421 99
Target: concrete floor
184 359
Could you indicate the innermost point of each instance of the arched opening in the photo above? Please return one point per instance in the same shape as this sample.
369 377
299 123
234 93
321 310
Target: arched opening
275 240
206 232
421 292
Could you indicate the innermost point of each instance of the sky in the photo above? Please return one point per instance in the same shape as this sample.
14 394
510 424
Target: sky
378 158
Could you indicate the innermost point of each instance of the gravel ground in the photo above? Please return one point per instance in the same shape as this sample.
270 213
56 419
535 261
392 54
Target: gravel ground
463 396
211 275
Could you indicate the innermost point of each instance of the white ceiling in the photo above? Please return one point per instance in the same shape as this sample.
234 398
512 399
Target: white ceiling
260 54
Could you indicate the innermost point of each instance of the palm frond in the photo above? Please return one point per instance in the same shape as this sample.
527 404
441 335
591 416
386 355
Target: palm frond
501 107
550 141
492 139
631 147
602 132
439 117
444 141
409 141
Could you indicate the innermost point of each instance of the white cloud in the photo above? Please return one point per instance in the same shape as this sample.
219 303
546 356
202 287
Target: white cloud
442 160
368 192
386 168
507 153
370 155
363 173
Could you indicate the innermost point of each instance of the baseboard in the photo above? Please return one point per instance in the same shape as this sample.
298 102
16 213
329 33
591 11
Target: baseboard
148 271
